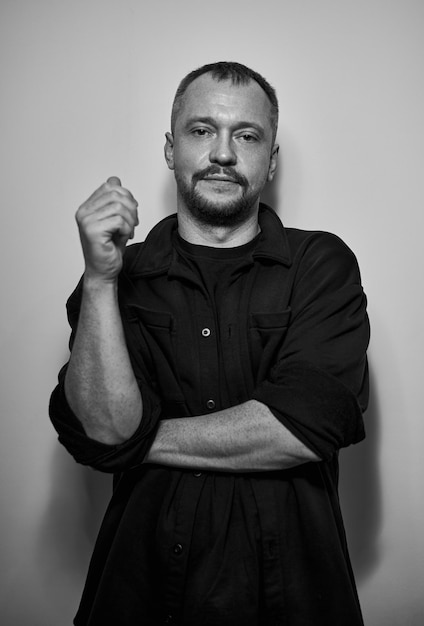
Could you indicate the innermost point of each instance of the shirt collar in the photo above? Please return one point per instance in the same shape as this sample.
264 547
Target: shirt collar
157 254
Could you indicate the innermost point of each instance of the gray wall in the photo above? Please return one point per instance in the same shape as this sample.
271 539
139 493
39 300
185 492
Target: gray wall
86 92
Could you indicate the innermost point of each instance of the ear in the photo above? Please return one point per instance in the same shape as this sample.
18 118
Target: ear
169 150
273 162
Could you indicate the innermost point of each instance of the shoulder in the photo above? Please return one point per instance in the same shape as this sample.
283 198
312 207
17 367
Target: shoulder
132 251
316 241
322 253
294 245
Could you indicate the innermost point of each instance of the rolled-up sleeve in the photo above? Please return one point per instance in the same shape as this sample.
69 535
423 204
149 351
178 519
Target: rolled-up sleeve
87 451
318 386
100 456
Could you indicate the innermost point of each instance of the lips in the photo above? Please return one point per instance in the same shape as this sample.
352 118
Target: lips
222 179
220 175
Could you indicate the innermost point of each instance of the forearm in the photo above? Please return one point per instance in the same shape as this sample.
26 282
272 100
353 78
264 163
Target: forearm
243 438
100 384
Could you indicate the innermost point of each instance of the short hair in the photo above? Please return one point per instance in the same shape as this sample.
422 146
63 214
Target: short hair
227 70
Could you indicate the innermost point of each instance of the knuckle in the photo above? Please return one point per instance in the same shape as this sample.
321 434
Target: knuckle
120 222
117 206
79 213
115 194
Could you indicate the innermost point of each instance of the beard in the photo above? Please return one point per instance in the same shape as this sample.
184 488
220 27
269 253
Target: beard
224 212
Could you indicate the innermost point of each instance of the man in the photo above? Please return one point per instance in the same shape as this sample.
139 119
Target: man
216 370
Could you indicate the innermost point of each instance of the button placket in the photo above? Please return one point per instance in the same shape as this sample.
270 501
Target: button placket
208 365
207 333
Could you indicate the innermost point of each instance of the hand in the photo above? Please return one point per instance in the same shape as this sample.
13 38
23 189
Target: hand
106 221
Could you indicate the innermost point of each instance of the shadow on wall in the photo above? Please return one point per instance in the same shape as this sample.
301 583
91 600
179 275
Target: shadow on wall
360 493
270 194
78 500
169 197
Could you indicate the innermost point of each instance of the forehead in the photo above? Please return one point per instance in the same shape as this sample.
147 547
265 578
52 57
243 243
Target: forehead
226 101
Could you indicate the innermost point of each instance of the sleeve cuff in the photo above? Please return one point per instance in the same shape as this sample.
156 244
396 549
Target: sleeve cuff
101 456
315 406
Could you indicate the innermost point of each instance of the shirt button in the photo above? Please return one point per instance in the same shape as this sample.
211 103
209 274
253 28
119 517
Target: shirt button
177 548
210 404
206 332
197 474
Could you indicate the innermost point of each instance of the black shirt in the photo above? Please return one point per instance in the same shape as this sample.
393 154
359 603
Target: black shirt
285 324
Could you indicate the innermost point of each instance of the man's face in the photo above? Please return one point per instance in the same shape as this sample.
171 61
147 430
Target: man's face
222 150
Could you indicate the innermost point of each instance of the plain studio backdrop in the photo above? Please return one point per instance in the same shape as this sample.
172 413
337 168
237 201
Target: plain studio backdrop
86 91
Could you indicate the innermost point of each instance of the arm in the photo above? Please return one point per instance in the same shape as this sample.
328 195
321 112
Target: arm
243 438
100 385
310 404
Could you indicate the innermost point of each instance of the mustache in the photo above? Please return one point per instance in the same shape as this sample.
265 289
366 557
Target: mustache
216 170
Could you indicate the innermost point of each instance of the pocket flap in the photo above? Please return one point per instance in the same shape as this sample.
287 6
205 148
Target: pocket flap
149 317
279 319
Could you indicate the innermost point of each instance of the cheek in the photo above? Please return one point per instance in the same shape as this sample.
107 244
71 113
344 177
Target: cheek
189 157
258 173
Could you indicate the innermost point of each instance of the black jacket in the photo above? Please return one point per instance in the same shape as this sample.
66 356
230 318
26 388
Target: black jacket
231 549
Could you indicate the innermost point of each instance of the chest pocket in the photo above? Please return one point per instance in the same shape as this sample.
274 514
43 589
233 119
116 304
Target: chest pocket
151 343
267 332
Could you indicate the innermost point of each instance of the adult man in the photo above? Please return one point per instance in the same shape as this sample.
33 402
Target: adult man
216 370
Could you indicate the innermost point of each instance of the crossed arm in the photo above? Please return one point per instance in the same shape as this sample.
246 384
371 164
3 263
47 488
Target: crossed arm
102 391
243 438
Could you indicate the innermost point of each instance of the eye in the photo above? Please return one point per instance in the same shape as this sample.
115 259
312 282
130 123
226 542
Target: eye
200 132
248 137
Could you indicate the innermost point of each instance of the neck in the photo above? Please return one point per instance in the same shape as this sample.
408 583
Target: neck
217 236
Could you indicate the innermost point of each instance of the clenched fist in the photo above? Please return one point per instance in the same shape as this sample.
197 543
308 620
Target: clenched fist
106 221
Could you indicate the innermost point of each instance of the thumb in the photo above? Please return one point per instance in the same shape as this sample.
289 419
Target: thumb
114 180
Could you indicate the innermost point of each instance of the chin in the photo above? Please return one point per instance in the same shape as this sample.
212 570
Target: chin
221 212
219 208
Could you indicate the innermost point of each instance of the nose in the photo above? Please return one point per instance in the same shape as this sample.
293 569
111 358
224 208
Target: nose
222 151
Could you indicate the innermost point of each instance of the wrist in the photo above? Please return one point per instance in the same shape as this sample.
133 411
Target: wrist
97 283
100 291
